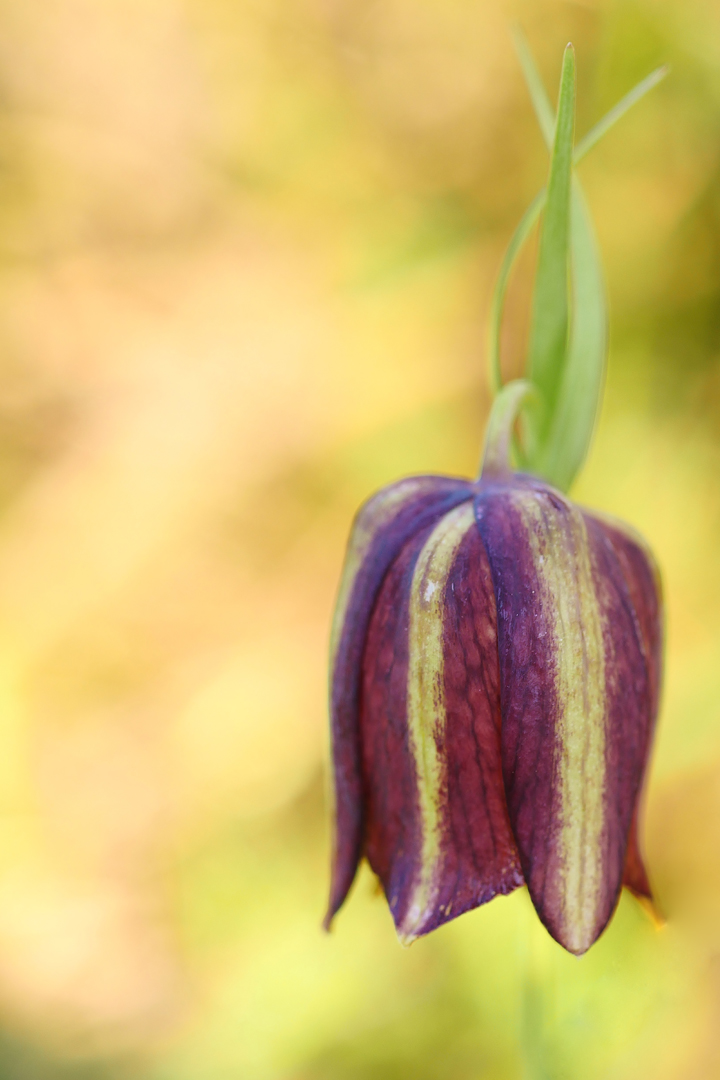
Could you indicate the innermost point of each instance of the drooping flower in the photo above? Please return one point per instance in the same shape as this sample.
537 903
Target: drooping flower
496 649
496 664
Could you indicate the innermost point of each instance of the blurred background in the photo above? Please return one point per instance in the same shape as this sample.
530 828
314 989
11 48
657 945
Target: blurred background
246 255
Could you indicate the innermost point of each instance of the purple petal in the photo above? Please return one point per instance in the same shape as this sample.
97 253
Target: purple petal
380 529
577 699
642 580
437 828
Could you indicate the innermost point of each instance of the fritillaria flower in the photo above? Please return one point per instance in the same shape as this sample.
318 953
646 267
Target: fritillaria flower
496 650
496 664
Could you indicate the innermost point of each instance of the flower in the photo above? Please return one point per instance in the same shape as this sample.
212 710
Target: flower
496 660
496 651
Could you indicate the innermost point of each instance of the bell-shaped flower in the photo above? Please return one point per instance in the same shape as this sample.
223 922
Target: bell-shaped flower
496 664
496 650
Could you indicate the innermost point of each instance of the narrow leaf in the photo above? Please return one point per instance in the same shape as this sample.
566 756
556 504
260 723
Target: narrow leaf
595 134
578 404
498 300
549 333
541 103
557 446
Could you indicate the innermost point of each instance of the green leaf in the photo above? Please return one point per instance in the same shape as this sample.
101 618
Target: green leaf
544 110
549 329
595 134
558 436
541 103
498 299
561 456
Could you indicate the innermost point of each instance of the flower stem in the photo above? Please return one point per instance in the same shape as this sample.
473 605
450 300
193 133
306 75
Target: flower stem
498 438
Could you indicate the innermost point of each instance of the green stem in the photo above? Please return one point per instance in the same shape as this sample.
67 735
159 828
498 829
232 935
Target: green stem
498 439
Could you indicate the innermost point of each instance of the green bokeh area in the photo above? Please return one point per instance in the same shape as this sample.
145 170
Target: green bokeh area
247 253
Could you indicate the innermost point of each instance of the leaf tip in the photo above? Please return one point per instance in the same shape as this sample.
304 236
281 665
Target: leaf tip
568 62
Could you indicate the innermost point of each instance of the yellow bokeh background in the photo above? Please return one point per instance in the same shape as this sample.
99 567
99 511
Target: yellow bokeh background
246 256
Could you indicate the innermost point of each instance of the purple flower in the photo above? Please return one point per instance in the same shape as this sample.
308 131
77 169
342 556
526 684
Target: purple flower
496 663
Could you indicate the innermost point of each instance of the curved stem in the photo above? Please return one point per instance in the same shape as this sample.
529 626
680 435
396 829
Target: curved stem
498 438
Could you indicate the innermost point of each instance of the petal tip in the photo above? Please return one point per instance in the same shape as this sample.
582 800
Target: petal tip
652 911
574 945
410 927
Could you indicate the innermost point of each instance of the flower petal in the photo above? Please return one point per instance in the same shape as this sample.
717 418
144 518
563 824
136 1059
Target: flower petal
577 700
634 875
642 578
380 529
437 828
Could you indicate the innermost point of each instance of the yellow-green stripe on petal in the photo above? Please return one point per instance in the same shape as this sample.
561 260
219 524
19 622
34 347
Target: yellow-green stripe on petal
567 597
577 697
381 528
425 704
377 514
